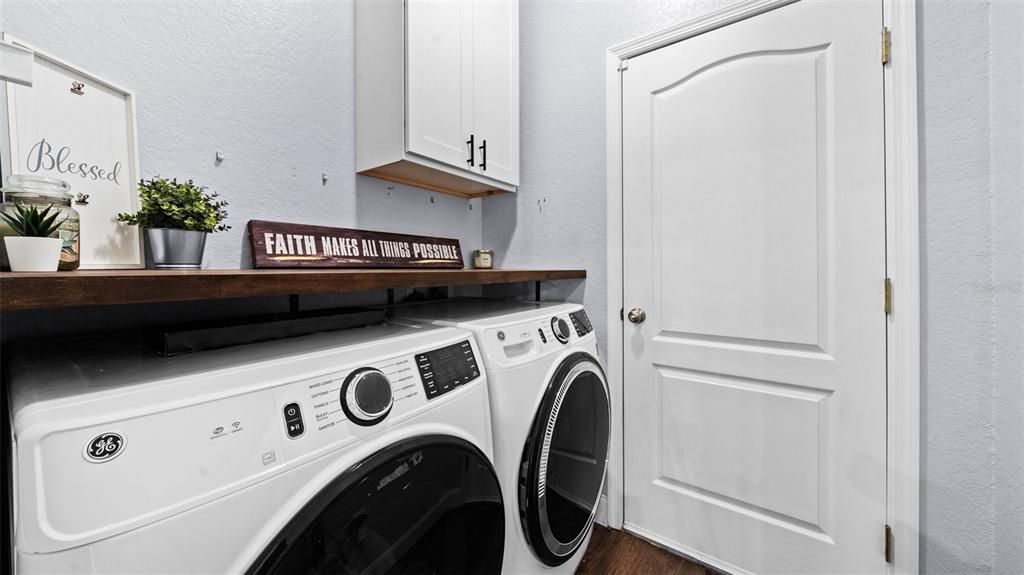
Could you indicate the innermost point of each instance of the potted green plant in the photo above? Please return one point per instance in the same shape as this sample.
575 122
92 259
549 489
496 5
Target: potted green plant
177 218
32 249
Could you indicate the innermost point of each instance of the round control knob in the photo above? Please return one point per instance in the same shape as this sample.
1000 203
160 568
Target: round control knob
366 396
560 328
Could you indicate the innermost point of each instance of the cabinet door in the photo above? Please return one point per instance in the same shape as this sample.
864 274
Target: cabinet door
496 87
439 78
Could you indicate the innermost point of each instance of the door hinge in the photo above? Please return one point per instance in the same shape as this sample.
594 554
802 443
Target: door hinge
888 296
886 45
622 314
623 65
889 545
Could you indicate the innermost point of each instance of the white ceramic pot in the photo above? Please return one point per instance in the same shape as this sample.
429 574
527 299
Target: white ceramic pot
33 254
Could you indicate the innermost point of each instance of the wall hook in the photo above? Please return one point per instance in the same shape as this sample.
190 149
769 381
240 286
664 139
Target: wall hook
218 157
323 178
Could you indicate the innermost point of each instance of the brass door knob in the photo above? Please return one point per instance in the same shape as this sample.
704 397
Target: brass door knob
636 315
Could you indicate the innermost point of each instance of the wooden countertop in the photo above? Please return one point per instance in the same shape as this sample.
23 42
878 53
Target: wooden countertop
114 287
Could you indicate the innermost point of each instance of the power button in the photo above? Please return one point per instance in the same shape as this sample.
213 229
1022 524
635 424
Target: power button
293 420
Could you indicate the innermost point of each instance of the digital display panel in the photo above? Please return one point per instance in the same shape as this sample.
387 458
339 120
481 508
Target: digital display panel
446 368
581 322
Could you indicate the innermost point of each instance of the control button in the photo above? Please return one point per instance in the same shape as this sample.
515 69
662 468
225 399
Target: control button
366 396
543 338
560 329
293 420
501 336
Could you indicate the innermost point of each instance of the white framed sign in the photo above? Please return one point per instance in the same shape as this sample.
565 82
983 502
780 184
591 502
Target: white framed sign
79 128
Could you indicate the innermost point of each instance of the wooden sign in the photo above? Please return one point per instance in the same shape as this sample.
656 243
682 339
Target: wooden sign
283 245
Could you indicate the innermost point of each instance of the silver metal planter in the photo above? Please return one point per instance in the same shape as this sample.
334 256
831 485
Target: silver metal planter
176 249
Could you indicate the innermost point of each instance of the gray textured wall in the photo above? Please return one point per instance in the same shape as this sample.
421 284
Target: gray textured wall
1007 304
957 440
973 403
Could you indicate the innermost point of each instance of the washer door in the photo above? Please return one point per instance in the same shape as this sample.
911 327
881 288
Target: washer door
430 504
561 475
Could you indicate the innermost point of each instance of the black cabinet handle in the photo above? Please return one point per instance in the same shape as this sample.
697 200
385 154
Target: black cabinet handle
472 150
483 153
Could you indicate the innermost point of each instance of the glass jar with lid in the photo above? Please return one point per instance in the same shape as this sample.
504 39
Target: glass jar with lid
43 192
483 259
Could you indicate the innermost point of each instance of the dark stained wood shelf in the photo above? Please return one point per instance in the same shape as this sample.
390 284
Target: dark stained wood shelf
20 291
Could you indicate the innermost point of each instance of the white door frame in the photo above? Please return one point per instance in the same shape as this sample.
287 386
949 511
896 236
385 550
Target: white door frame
902 260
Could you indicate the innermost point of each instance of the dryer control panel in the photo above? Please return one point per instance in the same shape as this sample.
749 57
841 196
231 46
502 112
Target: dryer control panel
522 342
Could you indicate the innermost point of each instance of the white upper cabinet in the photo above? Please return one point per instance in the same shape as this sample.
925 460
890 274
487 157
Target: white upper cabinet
440 80
437 94
496 88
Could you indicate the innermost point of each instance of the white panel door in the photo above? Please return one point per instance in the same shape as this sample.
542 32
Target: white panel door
496 88
754 241
439 76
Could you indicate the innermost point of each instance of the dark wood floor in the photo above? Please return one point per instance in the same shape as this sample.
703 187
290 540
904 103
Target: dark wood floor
614 552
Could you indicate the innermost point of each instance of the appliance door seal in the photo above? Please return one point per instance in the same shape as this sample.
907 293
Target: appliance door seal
564 461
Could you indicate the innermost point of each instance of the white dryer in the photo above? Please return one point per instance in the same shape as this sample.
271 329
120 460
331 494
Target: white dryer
551 413
367 450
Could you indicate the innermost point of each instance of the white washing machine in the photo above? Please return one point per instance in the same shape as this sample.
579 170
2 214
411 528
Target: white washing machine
367 450
551 414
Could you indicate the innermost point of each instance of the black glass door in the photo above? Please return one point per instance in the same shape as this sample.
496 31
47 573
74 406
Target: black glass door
430 504
564 461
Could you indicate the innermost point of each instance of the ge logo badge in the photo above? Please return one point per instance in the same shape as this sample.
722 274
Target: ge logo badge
104 447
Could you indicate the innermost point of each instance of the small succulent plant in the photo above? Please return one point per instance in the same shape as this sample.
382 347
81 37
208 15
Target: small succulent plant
182 206
29 222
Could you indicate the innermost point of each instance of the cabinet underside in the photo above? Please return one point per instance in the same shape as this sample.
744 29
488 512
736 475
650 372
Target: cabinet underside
413 174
